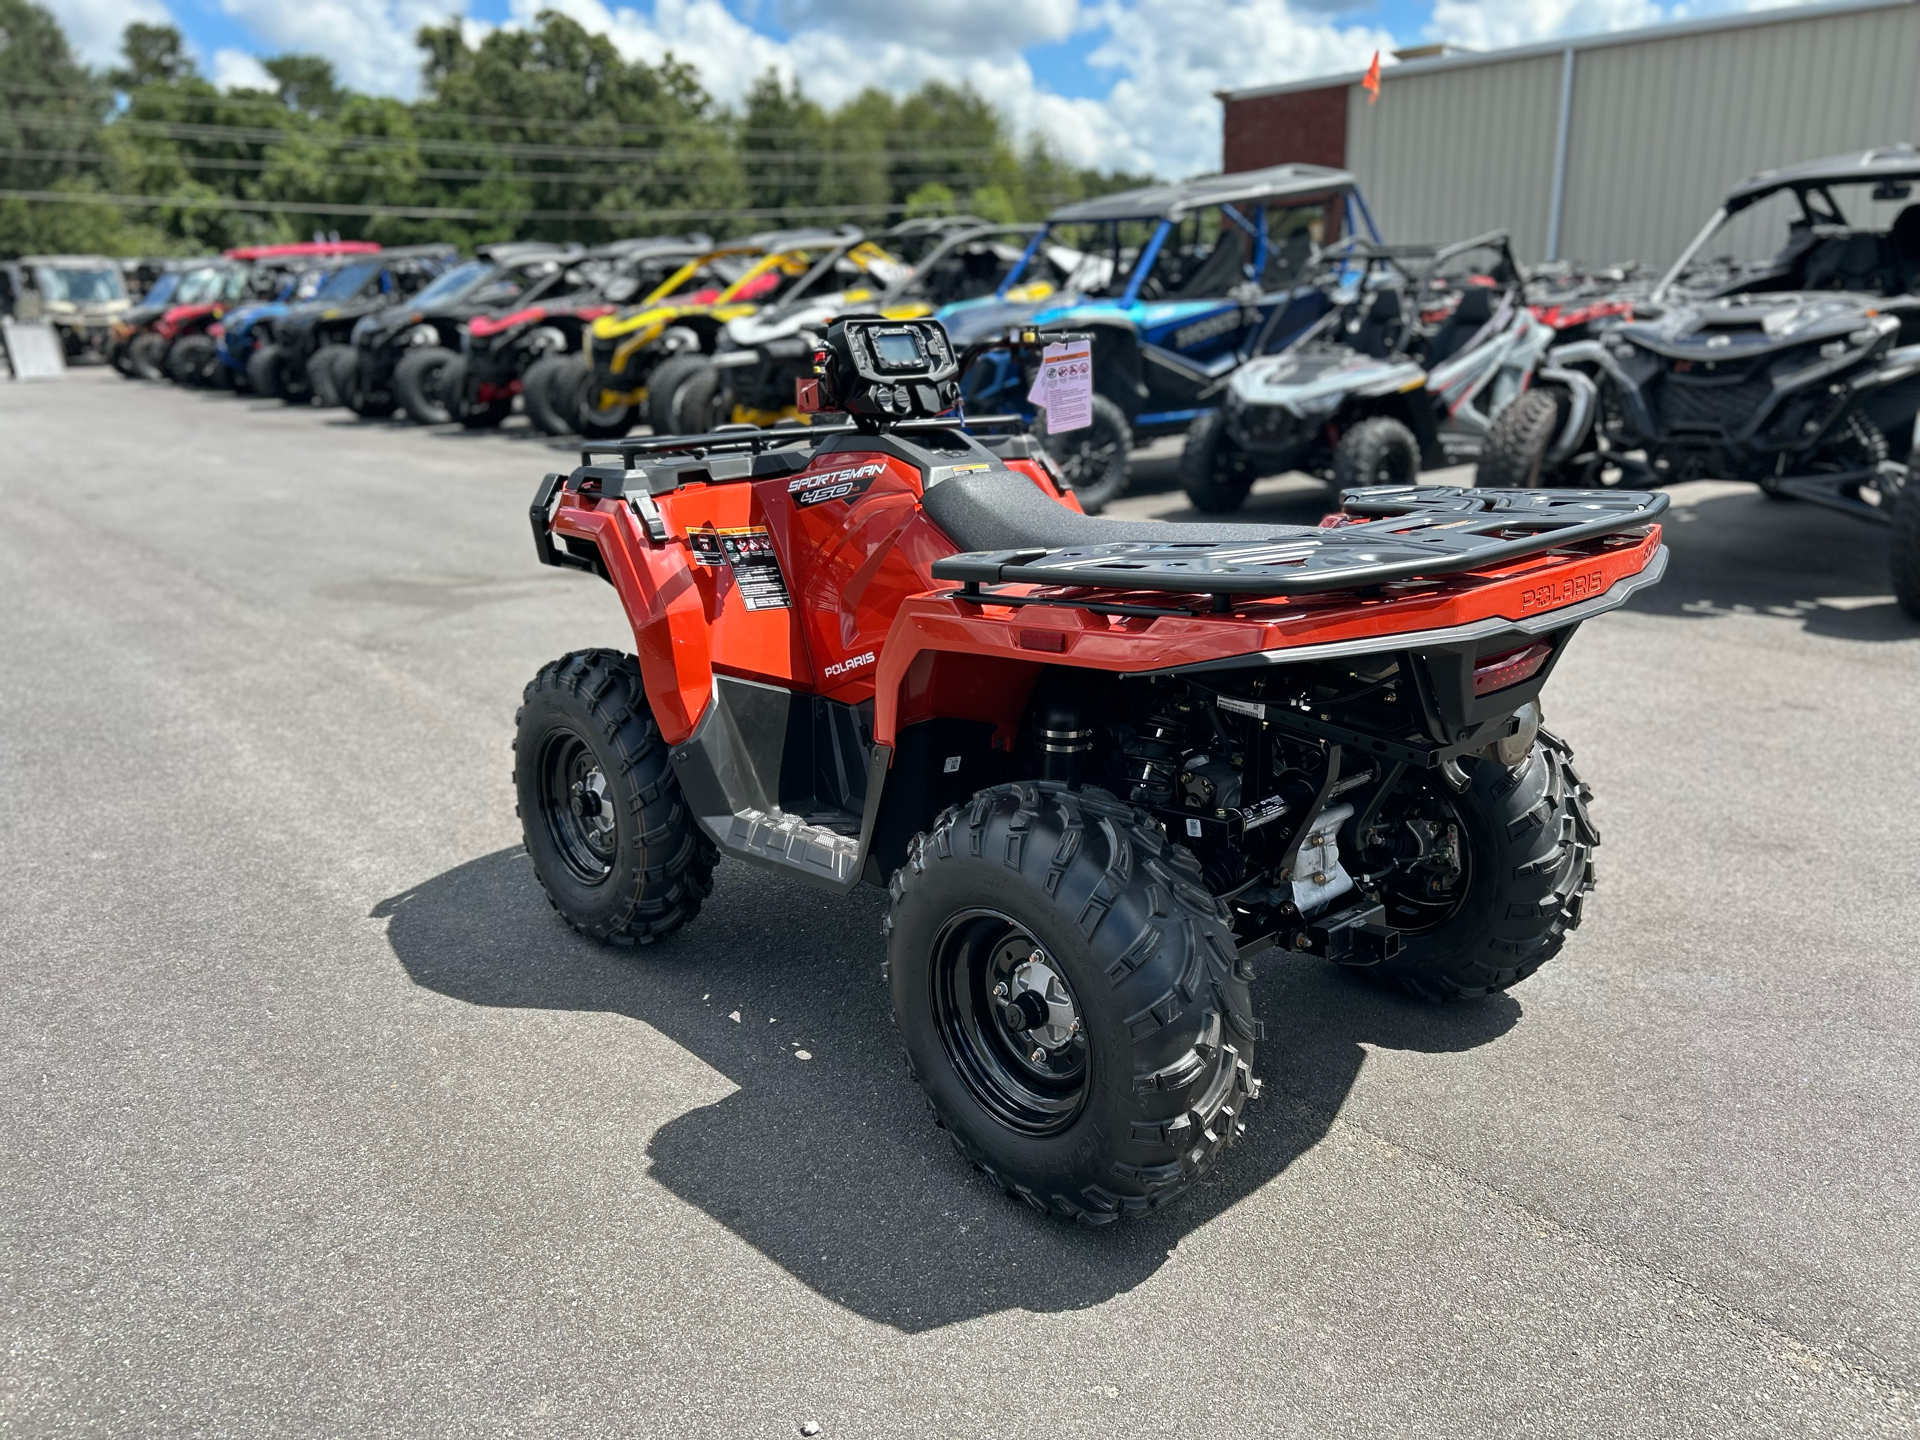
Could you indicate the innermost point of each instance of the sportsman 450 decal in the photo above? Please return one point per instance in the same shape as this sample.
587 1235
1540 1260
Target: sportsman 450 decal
834 485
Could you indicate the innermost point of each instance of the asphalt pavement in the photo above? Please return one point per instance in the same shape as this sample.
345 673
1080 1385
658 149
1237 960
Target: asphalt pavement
315 1120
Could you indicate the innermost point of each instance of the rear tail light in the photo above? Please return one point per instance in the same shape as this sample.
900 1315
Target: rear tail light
1497 672
1054 640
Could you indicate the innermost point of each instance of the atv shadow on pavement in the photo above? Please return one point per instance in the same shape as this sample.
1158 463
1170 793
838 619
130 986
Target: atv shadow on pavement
1732 551
832 1166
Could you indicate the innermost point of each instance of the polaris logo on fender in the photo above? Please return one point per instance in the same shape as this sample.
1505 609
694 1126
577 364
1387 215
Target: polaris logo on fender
848 665
834 485
1189 335
1562 592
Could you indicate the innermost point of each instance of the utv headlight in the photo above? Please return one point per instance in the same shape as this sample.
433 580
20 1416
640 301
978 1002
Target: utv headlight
1315 407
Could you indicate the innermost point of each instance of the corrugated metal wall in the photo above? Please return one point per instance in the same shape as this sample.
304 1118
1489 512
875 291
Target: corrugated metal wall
1445 156
1660 129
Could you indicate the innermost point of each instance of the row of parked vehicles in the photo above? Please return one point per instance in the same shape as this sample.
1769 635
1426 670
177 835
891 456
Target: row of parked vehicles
1259 315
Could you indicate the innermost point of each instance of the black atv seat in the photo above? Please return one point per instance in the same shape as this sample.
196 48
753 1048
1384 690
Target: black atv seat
1004 510
1473 311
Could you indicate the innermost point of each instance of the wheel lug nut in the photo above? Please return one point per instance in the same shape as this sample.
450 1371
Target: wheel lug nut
1039 1056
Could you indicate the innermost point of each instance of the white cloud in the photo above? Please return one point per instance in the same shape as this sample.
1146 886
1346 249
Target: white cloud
1499 24
977 27
94 27
237 70
1171 55
370 42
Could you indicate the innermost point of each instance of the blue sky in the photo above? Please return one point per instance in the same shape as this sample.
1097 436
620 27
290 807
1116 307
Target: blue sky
1122 84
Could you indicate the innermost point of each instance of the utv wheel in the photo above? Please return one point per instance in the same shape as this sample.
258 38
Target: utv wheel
458 391
1377 451
1904 556
663 388
147 357
418 382
263 371
328 369
1515 456
1094 458
1071 999
550 389
1215 473
194 362
703 403
366 403
596 421
611 838
1489 881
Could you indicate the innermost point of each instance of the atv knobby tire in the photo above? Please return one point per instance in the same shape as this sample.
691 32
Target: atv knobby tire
419 384
1093 458
464 403
1903 559
1377 451
1515 456
262 367
367 403
194 361
147 357
663 388
1153 971
551 391
703 403
1215 473
584 727
1529 851
328 371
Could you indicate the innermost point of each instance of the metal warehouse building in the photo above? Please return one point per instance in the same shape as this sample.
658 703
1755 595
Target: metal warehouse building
1609 148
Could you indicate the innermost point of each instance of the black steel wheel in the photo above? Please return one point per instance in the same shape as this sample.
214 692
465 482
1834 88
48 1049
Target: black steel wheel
1071 999
576 808
611 838
1010 1022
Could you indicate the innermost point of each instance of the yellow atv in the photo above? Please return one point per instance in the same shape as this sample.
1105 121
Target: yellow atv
682 319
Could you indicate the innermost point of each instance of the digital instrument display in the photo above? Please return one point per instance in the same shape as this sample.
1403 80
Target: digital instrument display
896 348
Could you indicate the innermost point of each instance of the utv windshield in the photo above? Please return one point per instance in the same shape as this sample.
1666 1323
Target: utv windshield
201 287
454 283
79 285
162 290
346 282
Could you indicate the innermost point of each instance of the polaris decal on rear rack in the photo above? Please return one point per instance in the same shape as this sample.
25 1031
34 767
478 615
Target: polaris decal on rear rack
811 490
748 551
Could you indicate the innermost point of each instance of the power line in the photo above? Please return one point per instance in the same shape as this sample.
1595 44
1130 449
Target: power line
533 177
273 135
429 108
432 212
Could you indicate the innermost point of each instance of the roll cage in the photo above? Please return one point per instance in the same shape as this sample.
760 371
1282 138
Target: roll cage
1243 201
1890 169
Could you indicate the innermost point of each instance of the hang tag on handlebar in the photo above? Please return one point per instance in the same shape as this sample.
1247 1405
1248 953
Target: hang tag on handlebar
1064 386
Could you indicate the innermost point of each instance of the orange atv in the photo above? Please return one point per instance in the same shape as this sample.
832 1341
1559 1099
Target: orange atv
1099 765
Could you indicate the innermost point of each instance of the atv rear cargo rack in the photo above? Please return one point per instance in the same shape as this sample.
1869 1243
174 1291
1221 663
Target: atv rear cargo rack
1415 532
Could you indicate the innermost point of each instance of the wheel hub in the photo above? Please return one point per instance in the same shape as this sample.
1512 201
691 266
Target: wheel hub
1040 999
589 802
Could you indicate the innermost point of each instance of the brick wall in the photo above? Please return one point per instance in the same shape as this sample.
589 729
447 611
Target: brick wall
1308 126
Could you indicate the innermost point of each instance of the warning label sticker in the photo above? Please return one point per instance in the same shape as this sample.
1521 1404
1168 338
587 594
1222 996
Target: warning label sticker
748 552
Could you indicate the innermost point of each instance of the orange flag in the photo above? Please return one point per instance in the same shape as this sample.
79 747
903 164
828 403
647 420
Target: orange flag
1370 82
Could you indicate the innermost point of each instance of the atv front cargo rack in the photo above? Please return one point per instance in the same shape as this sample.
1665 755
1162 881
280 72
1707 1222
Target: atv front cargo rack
1420 531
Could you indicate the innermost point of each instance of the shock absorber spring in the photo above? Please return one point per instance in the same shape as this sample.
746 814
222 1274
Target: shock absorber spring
1153 758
